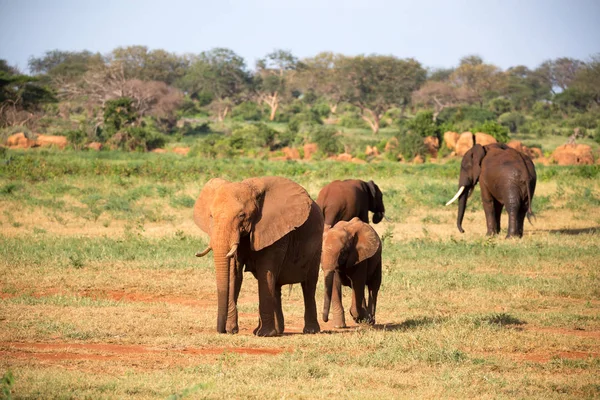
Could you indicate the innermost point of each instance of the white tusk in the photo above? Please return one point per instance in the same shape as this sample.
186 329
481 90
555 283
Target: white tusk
232 251
203 253
456 196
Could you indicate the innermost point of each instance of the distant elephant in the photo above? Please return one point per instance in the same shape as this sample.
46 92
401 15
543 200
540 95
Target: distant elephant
272 227
507 179
344 200
352 251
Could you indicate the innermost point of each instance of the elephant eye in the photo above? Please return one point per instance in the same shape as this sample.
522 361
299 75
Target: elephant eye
242 215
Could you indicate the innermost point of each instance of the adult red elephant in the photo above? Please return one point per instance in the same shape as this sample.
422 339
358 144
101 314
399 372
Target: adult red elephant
272 227
344 200
507 179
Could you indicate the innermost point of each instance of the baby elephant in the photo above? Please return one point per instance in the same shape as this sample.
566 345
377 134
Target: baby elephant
351 256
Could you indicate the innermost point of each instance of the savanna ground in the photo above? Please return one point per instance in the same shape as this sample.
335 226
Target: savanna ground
101 295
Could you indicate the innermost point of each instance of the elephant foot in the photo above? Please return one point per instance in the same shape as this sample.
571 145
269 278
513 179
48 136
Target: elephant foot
265 332
312 328
233 328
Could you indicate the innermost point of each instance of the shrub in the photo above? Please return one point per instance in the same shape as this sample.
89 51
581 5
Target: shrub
138 139
586 121
327 140
424 125
303 118
254 135
410 144
457 114
118 114
597 135
542 110
247 111
499 132
512 120
322 110
77 138
500 105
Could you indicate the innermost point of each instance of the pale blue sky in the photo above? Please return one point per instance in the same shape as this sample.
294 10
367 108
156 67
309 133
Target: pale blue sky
435 32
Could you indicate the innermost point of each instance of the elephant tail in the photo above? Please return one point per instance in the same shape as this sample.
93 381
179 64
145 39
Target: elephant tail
529 212
528 184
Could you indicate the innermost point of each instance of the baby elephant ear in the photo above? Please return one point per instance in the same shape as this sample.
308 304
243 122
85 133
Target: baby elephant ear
367 240
284 206
202 205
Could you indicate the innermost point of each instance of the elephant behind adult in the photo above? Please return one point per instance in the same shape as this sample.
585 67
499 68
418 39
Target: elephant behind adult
272 227
507 179
344 200
352 253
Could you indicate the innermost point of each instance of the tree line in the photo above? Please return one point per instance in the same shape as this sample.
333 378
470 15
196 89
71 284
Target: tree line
163 86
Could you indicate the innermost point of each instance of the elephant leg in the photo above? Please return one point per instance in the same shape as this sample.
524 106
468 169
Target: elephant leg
268 263
521 219
266 303
497 214
236 277
513 221
339 319
357 310
279 321
309 288
373 286
489 210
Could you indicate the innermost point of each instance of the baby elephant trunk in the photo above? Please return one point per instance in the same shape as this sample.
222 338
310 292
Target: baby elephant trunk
328 292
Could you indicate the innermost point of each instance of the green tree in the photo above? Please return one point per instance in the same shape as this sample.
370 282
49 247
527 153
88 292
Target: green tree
379 83
477 78
320 75
21 98
220 74
274 76
524 87
149 65
559 72
64 65
587 79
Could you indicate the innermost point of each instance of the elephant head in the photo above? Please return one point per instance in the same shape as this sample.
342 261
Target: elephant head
345 245
376 202
258 210
470 169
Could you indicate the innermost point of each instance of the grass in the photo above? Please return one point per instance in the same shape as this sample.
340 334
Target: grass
101 295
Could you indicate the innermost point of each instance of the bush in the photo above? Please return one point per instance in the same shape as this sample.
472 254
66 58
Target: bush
542 110
138 139
597 135
77 138
512 120
327 140
249 136
410 144
457 114
424 125
247 111
500 105
499 132
118 114
304 118
586 121
322 110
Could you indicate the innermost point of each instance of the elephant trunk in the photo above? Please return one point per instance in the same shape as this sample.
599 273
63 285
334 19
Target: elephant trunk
223 251
328 293
462 206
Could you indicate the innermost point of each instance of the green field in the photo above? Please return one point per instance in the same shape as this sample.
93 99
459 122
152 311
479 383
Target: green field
101 295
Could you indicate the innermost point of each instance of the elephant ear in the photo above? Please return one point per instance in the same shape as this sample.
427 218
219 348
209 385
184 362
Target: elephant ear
283 206
372 188
478 152
367 240
202 205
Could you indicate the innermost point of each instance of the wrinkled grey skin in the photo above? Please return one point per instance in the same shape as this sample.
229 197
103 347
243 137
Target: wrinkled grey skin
506 178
